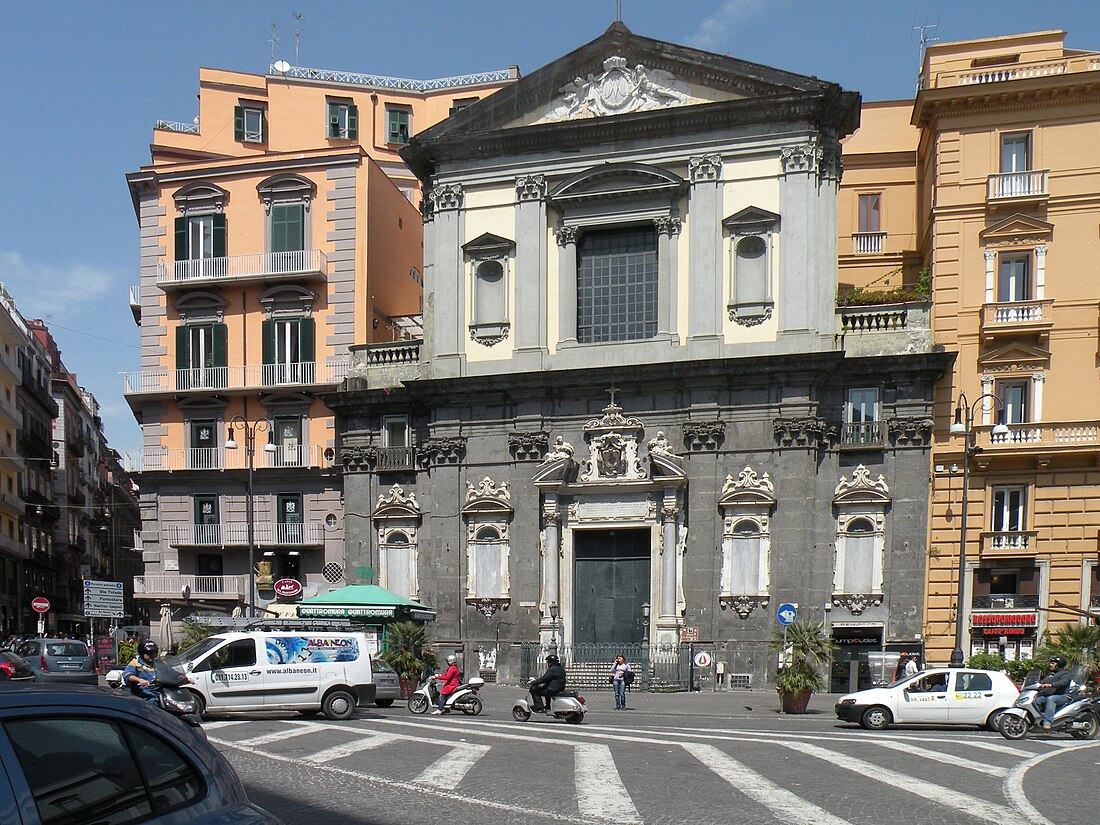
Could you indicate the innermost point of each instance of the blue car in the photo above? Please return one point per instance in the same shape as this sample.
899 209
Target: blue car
71 755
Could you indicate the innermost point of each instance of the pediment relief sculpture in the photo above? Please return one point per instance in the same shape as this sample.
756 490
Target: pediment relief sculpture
747 488
613 447
487 496
618 89
861 488
396 504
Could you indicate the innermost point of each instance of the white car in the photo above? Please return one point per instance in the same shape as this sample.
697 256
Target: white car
949 696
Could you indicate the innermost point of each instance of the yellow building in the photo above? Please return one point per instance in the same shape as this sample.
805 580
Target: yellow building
13 551
276 230
1009 208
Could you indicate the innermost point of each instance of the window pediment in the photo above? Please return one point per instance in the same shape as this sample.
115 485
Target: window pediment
489 245
752 220
1015 358
1017 230
287 299
861 489
747 490
286 189
199 307
397 505
489 499
200 197
619 181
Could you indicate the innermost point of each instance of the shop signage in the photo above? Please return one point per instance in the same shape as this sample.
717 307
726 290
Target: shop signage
318 612
1019 619
1004 631
689 634
40 604
288 588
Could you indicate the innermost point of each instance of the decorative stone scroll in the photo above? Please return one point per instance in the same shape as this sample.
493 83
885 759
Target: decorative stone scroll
856 603
613 447
910 432
489 334
567 235
750 317
436 451
530 187
802 158
617 90
396 504
445 196
812 433
358 459
528 446
743 605
487 607
861 488
704 168
703 436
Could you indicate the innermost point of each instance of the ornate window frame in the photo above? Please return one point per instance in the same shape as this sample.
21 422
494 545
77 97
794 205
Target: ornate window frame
200 198
488 510
288 190
748 498
860 499
397 516
752 222
489 249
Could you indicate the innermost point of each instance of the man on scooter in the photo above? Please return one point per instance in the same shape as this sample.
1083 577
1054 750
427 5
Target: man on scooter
549 685
141 672
451 680
1053 690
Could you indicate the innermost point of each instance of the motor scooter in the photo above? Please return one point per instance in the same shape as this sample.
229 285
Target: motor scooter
566 705
1080 716
173 698
465 698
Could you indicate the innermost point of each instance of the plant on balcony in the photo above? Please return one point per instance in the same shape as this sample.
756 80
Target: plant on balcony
805 648
879 290
408 651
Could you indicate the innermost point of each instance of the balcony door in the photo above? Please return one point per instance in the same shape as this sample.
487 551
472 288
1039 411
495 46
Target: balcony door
210 571
207 520
288 351
290 518
1015 165
287 231
1014 279
200 239
1009 517
203 454
201 356
288 442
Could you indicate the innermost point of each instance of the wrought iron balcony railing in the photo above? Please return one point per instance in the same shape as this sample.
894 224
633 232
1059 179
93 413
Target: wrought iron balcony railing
203 587
1004 602
157 459
301 373
299 263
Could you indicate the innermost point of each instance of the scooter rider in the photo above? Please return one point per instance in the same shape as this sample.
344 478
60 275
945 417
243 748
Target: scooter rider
1053 690
451 680
549 685
141 672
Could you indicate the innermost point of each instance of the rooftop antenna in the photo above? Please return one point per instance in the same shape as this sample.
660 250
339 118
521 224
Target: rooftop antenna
273 39
298 17
925 39
618 11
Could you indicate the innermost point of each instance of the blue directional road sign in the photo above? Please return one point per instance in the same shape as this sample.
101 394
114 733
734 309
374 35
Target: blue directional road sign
786 613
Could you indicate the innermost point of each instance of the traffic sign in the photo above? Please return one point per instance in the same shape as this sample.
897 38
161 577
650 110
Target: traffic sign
689 634
102 587
40 604
103 599
702 659
786 613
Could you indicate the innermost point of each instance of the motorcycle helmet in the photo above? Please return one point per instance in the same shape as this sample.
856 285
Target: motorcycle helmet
148 648
553 660
452 659
1058 661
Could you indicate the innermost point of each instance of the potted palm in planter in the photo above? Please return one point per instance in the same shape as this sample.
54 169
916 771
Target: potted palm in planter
804 648
408 652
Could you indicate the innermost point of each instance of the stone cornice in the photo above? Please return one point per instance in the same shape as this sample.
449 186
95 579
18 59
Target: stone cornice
1004 96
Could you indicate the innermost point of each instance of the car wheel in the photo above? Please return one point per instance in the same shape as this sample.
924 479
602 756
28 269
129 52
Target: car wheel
876 718
993 722
383 703
338 705
1090 731
472 707
520 713
1013 726
418 704
574 718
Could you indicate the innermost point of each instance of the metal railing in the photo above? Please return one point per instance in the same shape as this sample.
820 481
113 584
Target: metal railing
868 243
866 432
1017 313
154 459
1018 71
395 458
1015 540
164 380
658 667
267 533
402 83
1017 185
1004 602
178 126
240 267
170 586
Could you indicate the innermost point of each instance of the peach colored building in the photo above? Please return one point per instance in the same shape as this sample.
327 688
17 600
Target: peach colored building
276 230
1009 209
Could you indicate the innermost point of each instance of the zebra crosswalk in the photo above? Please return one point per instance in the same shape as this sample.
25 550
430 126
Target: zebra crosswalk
636 775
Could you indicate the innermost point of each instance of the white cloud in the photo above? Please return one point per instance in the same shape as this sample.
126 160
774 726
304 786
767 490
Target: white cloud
64 293
715 32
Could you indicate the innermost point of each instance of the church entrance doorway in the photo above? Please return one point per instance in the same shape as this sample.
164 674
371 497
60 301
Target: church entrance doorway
611 578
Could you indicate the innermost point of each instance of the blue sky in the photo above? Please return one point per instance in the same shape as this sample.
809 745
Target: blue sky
84 82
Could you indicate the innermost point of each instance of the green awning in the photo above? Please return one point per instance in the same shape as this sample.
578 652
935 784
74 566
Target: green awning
363 601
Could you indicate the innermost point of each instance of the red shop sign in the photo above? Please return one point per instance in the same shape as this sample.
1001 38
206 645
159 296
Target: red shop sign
288 588
1024 619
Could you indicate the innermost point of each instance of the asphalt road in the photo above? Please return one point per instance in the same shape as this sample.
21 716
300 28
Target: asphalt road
673 759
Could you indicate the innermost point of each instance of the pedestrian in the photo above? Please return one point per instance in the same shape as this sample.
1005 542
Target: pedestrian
899 671
911 666
619 680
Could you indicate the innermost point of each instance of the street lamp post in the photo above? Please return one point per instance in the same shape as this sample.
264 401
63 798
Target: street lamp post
645 644
964 426
555 612
239 422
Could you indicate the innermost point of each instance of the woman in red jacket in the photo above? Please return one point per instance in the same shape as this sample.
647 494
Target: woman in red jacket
450 680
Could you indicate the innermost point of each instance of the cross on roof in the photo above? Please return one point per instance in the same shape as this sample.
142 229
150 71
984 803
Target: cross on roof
611 391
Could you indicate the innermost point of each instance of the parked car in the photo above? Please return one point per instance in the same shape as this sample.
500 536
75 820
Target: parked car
13 668
936 697
60 660
71 754
387 685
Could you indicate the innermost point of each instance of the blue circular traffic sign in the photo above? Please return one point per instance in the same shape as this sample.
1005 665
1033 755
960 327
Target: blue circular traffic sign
786 613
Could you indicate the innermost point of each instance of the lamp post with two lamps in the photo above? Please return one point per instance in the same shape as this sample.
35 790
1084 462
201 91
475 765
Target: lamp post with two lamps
964 426
239 422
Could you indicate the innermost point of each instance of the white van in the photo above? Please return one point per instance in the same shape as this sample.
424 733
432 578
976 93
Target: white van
300 670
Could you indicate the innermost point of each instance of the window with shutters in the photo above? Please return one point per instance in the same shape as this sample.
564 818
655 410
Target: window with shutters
288 227
746 503
398 563
488 514
248 123
200 241
861 502
201 356
398 125
288 351
287 435
207 521
343 120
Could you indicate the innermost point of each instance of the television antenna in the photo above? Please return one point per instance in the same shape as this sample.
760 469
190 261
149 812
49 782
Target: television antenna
273 39
298 17
925 39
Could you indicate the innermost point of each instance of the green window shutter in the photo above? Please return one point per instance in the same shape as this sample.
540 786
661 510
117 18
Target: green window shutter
305 340
263 126
268 334
332 125
181 239
238 123
287 228
353 123
220 351
182 348
219 234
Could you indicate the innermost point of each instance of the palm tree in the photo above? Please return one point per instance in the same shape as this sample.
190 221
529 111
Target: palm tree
1076 643
804 649
407 649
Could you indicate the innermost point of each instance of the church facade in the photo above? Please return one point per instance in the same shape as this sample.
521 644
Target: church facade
636 414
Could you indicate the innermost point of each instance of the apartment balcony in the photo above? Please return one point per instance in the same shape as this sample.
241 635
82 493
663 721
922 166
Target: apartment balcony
8 362
170 586
867 435
1009 543
135 303
885 329
1017 318
868 243
165 381
8 410
1018 71
12 502
394 459
13 548
267 267
1039 438
1013 602
160 459
376 366
1017 187
235 534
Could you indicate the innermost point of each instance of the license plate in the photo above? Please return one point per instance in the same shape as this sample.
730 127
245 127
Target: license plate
67 666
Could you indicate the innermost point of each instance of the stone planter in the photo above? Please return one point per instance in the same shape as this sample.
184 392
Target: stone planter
795 702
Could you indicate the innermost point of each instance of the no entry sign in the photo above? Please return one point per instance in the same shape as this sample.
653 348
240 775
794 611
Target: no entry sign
40 604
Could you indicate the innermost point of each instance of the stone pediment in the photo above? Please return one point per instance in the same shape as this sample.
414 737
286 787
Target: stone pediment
861 488
395 504
748 489
1013 357
752 220
488 244
613 447
487 498
618 180
1017 230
